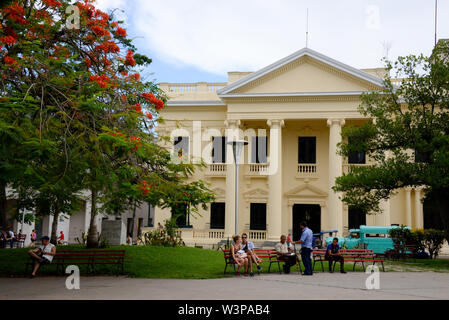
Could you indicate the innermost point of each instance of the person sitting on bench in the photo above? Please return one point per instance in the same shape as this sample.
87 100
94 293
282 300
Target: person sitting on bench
11 238
240 257
42 255
333 255
248 247
286 254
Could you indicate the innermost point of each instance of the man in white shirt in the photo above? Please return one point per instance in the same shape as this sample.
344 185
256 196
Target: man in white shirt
286 253
10 237
42 255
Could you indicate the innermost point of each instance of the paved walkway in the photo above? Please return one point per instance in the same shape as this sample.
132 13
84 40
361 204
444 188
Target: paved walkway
393 285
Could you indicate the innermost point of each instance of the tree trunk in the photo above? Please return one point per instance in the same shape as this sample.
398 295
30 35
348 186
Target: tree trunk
441 198
3 207
92 236
133 221
54 227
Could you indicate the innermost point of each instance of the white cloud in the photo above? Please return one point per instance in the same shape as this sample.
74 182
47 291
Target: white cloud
244 35
219 36
117 5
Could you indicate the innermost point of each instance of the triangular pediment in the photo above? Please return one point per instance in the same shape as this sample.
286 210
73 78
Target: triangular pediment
256 193
306 190
305 71
219 192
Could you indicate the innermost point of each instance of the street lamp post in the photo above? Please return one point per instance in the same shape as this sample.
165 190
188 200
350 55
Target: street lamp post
237 148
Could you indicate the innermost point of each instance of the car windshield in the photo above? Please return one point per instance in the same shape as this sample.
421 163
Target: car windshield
355 235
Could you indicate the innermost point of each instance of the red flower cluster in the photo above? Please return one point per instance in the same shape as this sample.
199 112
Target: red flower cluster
149 115
137 108
130 59
102 80
9 40
120 32
145 187
10 61
136 76
108 46
158 104
15 13
52 3
100 31
136 142
87 62
116 134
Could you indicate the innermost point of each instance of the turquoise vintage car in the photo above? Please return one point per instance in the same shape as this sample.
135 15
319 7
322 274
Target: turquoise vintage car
367 237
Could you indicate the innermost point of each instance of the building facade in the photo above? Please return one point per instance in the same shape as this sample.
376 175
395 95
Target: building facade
76 225
292 113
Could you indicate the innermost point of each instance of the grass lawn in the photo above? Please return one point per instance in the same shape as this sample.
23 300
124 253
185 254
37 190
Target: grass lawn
420 265
187 263
140 262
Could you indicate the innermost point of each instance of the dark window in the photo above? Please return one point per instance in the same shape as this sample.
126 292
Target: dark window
129 227
219 149
259 150
139 226
307 150
356 157
181 146
356 218
258 216
150 216
181 215
217 215
432 217
422 157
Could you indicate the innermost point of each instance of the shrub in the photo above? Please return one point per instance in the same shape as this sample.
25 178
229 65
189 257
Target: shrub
166 236
400 235
417 239
433 240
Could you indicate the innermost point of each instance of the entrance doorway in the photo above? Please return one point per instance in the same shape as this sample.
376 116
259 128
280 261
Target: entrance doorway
310 213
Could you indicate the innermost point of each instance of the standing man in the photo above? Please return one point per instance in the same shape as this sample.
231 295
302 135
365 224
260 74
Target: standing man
333 255
306 248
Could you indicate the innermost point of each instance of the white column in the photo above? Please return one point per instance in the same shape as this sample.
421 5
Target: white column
419 219
385 204
385 217
231 134
408 207
335 207
274 212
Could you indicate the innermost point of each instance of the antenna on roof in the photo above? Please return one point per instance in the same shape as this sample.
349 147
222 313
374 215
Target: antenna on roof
307 28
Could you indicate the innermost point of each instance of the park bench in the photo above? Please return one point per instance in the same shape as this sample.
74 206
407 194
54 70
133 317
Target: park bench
21 240
350 255
403 251
266 255
89 258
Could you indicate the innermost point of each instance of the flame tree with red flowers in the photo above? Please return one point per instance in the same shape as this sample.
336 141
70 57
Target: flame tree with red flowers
77 115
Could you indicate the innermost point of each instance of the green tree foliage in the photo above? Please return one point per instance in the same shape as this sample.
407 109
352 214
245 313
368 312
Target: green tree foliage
76 115
408 139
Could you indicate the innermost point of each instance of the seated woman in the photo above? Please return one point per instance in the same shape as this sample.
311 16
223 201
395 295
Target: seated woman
240 257
248 247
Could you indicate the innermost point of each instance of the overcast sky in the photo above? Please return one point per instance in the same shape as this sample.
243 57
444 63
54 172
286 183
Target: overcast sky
201 40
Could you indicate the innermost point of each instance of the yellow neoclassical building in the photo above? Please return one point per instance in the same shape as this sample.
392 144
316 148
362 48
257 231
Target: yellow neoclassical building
291 113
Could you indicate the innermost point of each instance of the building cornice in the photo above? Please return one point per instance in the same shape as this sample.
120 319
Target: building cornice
195 103
303 52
